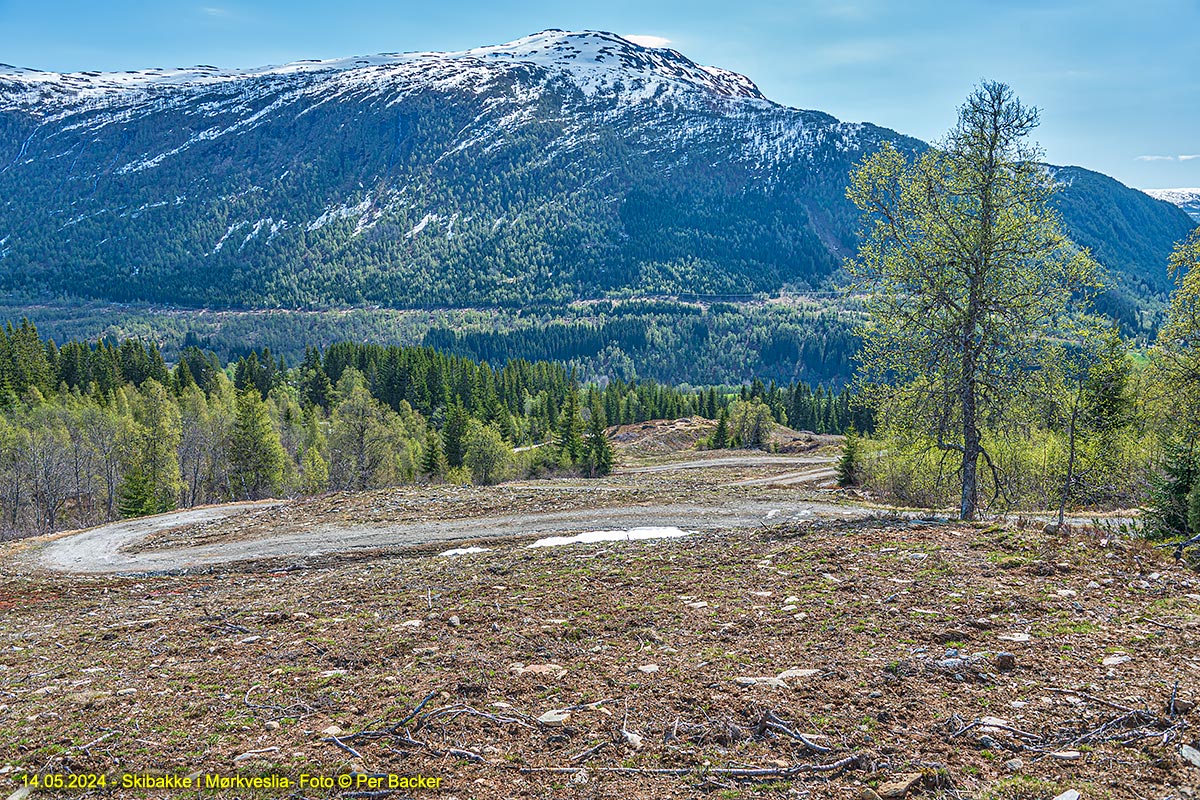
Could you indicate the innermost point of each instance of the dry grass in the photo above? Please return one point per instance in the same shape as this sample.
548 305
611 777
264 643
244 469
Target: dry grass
227 663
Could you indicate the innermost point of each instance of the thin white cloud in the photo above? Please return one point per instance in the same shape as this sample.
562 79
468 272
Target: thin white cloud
646 39
1188 157
213 11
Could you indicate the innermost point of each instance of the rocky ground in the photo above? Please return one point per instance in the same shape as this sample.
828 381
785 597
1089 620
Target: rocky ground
677 438
830 659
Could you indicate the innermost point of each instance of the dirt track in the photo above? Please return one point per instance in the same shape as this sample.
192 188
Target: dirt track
107 548
99 549
730 461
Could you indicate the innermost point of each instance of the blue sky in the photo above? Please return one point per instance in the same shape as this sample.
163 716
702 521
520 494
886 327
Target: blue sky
1118 82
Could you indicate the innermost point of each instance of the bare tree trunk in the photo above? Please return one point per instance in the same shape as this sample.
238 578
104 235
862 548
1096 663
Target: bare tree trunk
970 409
970 462
1066 492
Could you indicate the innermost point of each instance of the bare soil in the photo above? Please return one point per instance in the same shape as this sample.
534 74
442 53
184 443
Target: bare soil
646 637
676 437
771 654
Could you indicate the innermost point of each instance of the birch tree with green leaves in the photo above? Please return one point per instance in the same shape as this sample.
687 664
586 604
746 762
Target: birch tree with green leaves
965 268
1175 502
1177 356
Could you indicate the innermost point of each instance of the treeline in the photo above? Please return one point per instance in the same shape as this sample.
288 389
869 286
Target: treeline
94 431
558 341
676 342
668 341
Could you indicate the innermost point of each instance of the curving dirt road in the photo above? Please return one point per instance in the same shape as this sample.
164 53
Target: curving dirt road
820 475
106 549
728 461
99 550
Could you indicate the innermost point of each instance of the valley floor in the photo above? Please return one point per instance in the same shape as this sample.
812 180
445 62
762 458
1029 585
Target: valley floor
773 657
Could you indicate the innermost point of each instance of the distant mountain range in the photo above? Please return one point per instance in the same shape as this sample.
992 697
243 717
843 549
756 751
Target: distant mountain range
556 167
1187 199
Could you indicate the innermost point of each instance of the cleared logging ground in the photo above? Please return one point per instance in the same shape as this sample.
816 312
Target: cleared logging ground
448 666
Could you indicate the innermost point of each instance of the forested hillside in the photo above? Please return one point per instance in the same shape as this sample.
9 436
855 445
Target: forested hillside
557 167
667 341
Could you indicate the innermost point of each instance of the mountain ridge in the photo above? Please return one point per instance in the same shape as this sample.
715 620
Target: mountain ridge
1186 199
558 166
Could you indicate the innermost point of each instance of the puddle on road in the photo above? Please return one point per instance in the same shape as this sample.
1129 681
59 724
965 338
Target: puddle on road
632 534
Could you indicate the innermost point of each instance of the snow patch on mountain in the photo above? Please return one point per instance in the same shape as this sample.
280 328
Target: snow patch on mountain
341 211
420 226
232 230
574 79
1187 199
593 60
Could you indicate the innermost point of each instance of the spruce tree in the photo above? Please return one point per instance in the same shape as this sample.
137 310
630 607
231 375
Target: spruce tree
433 460
1170 486
720 437
599 453
570 442
255 453
454 434
136 498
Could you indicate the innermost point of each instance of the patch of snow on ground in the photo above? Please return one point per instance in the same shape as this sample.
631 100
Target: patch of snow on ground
228 233
342 211
463 551
420 226
633 534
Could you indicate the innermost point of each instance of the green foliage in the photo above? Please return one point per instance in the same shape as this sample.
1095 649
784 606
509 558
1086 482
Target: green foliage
569 438
1168 506
1108 401
966 268
153 448
751 423
666 341
720 435
137 497
453 435
1031 463
88 443
371 445
315 471
1177 356
1193 508
255 453
433 460
488 456
598 453
1176 379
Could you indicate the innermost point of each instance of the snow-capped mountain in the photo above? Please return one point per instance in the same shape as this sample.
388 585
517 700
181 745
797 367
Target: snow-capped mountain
558 166
595 62
1187 199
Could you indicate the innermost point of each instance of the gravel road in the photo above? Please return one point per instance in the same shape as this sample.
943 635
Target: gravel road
729 461
99 550
105 549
